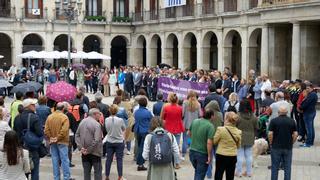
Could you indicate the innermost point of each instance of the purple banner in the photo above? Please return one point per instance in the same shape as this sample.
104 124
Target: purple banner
181 87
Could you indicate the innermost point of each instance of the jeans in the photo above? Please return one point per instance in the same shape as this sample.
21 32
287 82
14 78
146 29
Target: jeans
149 91
140 139
185 138
128 145
284 156
213 154
59 153
225 163
245 152
199 163
36 163
257 104
87 162
177 159
309 122
88 84
114 148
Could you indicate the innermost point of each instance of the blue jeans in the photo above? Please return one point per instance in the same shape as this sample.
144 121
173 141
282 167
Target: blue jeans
213 154
59 153
245 152
140 139
199 163
185 138
177 136
284 156
36 163
309 123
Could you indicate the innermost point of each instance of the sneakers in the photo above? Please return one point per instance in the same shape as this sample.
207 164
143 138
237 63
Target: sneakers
141 168
182 158
305 145
128 153
71 165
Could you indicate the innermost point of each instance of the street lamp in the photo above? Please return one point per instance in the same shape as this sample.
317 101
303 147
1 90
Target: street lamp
71 9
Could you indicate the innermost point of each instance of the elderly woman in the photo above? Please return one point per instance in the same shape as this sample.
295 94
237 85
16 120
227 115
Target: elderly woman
232 104
228 140
4 127
159 171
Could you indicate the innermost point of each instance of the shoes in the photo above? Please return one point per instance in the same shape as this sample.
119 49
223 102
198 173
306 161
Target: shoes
72 178
128 153
305 145
177 166
71 165
182 158
141 168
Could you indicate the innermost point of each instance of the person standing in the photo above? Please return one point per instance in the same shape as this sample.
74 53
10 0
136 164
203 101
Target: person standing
121 77
280 101
128 82
137 81
201 133
14 159
266 86
115 128
112 83
21 124
226 85
172 119
213 96
282 135
105 83
248 124
89 141
88 80
157 107
142 118
14 107
57 130
308 106
228 140
257 95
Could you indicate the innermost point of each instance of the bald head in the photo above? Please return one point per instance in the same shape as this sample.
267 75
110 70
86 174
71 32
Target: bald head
283 110
60 106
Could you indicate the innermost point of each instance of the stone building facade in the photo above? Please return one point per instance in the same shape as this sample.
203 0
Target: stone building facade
277 37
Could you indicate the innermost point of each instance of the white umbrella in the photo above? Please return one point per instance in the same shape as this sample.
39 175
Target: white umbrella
1 56
40 55
29 54
80 55
96 55
53 55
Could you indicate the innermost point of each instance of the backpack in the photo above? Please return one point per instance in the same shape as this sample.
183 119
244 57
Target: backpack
232 108
75 111
30 140
160 148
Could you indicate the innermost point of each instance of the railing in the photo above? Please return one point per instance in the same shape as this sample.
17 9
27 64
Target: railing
188 10
279 2
253 4
5 12
230 5
170 12
59 14
154 15
137 16
93 13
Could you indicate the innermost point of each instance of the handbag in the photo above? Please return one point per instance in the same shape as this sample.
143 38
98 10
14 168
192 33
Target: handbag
43 151
30 139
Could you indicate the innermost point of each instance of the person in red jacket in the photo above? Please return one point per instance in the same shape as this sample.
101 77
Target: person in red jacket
172 118
301 126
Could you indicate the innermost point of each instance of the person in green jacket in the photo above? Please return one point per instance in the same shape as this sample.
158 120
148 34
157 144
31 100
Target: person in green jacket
14 107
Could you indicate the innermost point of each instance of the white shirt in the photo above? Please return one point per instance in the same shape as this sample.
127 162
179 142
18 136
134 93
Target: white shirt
265 86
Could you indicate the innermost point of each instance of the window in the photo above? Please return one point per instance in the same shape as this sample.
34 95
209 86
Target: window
33 8
93 7
4 8
121 8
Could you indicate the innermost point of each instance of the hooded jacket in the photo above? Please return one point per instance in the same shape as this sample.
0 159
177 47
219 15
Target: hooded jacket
218 118
248 124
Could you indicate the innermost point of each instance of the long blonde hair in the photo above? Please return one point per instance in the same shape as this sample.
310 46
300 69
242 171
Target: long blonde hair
1 114
193 103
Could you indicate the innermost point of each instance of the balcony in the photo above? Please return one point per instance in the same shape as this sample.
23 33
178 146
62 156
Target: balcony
170 12
208 9
95 16
154 15
137 17
280 2
187 10
5 12
253 4
59 14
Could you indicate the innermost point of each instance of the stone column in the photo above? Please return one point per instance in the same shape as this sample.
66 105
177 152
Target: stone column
219 34
163 47
265 50
244 53
180 52
200 64
295 64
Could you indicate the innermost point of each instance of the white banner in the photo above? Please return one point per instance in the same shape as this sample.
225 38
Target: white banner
173 3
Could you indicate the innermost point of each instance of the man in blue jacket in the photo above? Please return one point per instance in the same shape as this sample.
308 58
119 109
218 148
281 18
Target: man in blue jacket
308 106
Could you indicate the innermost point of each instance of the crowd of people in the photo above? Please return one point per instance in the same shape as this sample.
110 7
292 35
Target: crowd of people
223 127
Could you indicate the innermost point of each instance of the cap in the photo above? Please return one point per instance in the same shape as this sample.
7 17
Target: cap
28 102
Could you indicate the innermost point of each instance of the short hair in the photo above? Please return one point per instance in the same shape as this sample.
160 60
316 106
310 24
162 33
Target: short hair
142 101
156 122
212 87
79 95
283 110
119 92
267 93
142 92
93 104
160 96
113 109
232 117
93 111
117 100
19 95
208 112
280 95
42 100
20 108
60 106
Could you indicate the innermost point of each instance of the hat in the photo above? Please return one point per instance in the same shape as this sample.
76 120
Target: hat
28 102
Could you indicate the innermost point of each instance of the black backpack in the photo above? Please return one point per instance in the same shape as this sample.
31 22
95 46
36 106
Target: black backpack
232 108
160 148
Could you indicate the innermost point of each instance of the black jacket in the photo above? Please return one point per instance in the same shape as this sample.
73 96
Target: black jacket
214 96
104 109
21 123
128 82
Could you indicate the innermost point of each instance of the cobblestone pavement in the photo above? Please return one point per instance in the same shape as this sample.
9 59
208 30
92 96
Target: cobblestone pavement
305 163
